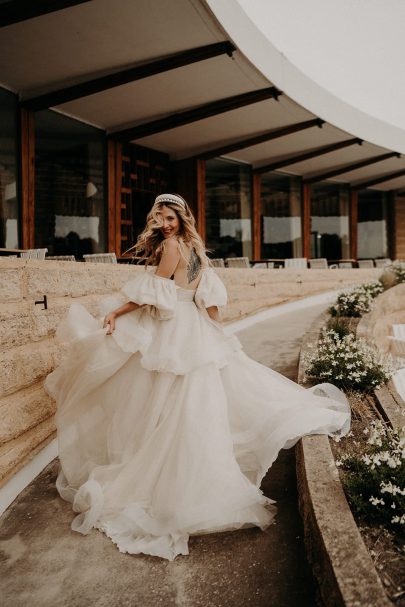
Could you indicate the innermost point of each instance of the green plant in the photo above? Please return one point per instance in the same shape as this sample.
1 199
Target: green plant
346 362
398 269
356 301
375 480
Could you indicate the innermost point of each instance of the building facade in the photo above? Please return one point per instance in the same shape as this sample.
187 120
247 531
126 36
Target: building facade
86 142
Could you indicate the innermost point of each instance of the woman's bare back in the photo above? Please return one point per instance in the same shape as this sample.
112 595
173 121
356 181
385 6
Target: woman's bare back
188 271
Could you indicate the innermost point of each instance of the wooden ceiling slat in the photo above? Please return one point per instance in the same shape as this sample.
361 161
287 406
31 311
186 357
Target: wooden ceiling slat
193 115
326 149
376 180
351 167
138 72
16 11
262 138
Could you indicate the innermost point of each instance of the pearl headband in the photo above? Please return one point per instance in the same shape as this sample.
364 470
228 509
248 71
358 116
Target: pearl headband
170 198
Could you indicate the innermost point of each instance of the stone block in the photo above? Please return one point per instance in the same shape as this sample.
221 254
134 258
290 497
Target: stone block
21 411
17 452
15 324
10 284
25 365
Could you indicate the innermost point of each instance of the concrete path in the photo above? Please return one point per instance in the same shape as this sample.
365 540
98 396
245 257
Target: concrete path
44 564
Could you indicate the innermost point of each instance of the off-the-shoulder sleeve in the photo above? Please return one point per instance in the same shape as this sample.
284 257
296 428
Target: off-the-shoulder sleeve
211 290
151 290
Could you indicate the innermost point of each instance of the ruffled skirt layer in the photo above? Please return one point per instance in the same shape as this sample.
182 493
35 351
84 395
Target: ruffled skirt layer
167 428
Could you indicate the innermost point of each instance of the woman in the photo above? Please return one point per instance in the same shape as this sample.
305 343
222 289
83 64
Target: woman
166 428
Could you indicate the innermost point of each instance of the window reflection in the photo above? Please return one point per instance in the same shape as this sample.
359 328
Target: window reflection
69 186
372 224
280 216
330 221
228 208
9 208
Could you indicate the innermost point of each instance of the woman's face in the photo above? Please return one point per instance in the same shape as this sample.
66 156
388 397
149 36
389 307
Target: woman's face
170 222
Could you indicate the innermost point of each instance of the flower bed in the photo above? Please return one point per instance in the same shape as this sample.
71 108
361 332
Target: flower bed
379 524
371 458
356 301
348 363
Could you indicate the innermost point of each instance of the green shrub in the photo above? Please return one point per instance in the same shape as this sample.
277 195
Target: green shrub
346 362
375 480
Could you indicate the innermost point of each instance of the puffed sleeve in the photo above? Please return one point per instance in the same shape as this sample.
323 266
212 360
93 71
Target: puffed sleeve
155 291
211 290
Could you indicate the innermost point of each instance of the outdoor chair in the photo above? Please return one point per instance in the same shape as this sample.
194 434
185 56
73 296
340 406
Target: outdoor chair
34 254
237 262
345 264
61 257
263 265
365 263
101 257
318 264
296 263
398 351
382 263
217 262
399 331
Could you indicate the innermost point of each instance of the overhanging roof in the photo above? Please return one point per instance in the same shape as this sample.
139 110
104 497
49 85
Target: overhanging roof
94 39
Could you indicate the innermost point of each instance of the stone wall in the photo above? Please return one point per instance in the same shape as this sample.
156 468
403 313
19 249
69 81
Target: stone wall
29 352
389 309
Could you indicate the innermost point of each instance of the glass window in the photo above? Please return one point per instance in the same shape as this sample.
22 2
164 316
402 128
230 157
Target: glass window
228 208
280 216
372 224
9 207
70 208
330 221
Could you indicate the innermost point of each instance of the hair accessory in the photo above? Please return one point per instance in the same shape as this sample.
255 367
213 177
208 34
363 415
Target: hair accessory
170 198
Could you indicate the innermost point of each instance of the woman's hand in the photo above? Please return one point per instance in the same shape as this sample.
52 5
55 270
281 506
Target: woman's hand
213 313
109 321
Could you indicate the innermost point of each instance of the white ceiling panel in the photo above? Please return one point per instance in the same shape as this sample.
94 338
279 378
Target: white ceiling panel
163 94
293 144
371 171
214 132
96 37
392 184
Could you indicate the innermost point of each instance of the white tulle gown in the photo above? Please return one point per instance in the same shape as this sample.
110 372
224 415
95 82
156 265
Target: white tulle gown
166 428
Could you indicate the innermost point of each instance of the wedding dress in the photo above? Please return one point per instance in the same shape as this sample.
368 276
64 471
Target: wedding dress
166 428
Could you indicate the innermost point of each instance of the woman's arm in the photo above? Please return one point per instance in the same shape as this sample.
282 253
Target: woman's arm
168 263
213 313
110 318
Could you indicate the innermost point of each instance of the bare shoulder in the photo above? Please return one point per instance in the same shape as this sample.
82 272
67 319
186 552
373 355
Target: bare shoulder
170 250
171 245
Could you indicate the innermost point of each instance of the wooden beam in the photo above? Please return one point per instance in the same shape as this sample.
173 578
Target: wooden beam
392 231
139 72
306 220
256 213
353 219
351 167
376 180
326 149
193 115
27 148
201 190
16 11
111 185
263 137
118 185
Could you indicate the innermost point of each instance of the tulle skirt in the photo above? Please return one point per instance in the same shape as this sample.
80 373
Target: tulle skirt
166 428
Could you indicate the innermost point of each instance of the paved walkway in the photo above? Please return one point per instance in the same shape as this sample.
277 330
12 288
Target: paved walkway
45 564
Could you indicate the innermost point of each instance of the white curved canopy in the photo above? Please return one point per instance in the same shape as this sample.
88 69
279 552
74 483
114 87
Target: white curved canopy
97 38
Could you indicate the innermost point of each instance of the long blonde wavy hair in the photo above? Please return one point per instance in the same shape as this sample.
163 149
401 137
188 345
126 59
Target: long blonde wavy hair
150 243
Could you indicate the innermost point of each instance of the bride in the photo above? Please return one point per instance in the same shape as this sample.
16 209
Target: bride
166 428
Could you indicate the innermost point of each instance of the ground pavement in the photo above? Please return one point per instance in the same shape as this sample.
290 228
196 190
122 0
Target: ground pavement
45 564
